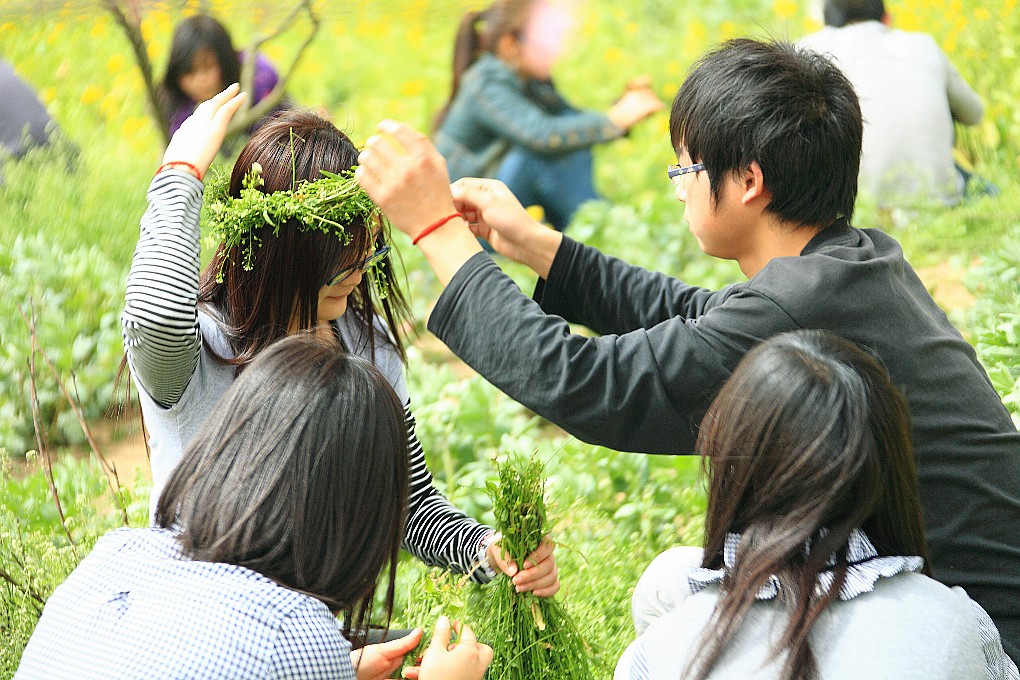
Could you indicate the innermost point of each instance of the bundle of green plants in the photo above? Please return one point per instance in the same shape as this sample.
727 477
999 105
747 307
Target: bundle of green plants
531 637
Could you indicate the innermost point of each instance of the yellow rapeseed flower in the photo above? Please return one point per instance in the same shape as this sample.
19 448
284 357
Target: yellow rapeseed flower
728 29
55 32
613 56
784 9
982 14
412 88
98 30
48 94
132 126
91 95
115 63
631 28
6 27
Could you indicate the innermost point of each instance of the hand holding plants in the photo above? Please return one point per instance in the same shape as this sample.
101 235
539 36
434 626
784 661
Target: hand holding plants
199 138
539 576
376 662
465 660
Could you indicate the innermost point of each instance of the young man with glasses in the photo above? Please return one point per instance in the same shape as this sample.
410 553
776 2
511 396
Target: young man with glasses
768 138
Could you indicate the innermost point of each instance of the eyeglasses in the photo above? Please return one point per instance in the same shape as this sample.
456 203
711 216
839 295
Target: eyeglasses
364 265
675 172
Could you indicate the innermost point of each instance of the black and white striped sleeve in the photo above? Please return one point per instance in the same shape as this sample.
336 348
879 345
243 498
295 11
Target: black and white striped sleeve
160 318
438 533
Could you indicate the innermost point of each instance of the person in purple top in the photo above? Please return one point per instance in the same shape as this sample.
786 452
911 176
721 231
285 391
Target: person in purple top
202 63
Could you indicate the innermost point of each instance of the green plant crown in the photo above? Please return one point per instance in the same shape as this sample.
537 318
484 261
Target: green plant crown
330 205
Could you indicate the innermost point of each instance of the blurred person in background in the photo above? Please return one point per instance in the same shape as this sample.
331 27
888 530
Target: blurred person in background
202 63
506 119
911 95
24 122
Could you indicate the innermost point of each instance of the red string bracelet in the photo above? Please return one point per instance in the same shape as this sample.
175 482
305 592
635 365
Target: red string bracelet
190 166
432 227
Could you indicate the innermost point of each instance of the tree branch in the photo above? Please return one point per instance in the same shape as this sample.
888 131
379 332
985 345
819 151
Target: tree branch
133 31
253 112
40 438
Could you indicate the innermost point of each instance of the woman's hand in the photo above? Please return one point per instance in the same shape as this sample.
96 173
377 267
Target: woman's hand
376 662
635 105
539 575
466 660
199 138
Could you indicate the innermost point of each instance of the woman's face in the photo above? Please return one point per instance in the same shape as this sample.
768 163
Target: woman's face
543 39
333 296
205 79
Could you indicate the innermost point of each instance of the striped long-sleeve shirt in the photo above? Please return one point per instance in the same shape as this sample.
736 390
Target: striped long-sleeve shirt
179 380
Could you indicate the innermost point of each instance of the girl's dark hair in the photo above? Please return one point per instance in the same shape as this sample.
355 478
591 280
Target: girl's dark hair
808 440
258 306
839 13
300 474
193 34
480 32
788 108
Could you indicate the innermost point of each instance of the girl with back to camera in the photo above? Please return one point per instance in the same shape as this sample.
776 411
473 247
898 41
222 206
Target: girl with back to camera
189 334
285 509
202 62
814 557
506 119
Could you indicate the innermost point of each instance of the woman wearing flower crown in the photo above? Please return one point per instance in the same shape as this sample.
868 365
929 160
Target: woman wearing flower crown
188 334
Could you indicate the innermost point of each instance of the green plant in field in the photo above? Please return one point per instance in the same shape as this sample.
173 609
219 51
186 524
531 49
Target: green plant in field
531 637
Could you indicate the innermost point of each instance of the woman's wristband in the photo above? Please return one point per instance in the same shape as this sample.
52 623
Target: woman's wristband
432 227
190 166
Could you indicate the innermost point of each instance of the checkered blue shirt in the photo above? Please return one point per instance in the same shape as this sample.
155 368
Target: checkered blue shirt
136 607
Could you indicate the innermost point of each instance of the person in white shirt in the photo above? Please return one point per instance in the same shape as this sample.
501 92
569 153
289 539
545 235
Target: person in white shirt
911 95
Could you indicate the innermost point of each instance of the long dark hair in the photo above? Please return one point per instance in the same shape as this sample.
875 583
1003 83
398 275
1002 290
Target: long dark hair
479 32
299 473
257 306
808 440
199 32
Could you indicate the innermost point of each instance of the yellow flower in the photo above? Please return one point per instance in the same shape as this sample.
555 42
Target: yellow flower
784 9
613 56
728 29
6 27
669 90
54 35
47 94
115 63
631 28
98 29
412 88
91 95
132 126
982 14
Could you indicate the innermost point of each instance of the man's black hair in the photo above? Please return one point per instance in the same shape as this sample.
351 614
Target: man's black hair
839 13
787 108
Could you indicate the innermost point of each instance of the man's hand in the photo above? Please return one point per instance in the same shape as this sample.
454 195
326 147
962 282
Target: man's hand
496 215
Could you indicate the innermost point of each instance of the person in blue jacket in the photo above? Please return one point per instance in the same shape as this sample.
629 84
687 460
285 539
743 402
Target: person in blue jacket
506 119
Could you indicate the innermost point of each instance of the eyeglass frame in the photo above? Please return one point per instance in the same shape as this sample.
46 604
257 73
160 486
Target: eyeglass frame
364 265
675 172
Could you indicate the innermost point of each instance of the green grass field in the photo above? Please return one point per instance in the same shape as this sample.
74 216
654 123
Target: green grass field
67 241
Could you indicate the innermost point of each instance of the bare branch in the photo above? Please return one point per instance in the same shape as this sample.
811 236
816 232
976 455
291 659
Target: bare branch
253 112
132 27
26 589
40 437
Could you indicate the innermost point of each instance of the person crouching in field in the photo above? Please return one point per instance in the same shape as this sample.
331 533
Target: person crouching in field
767 138
318 262
815 561
288 504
